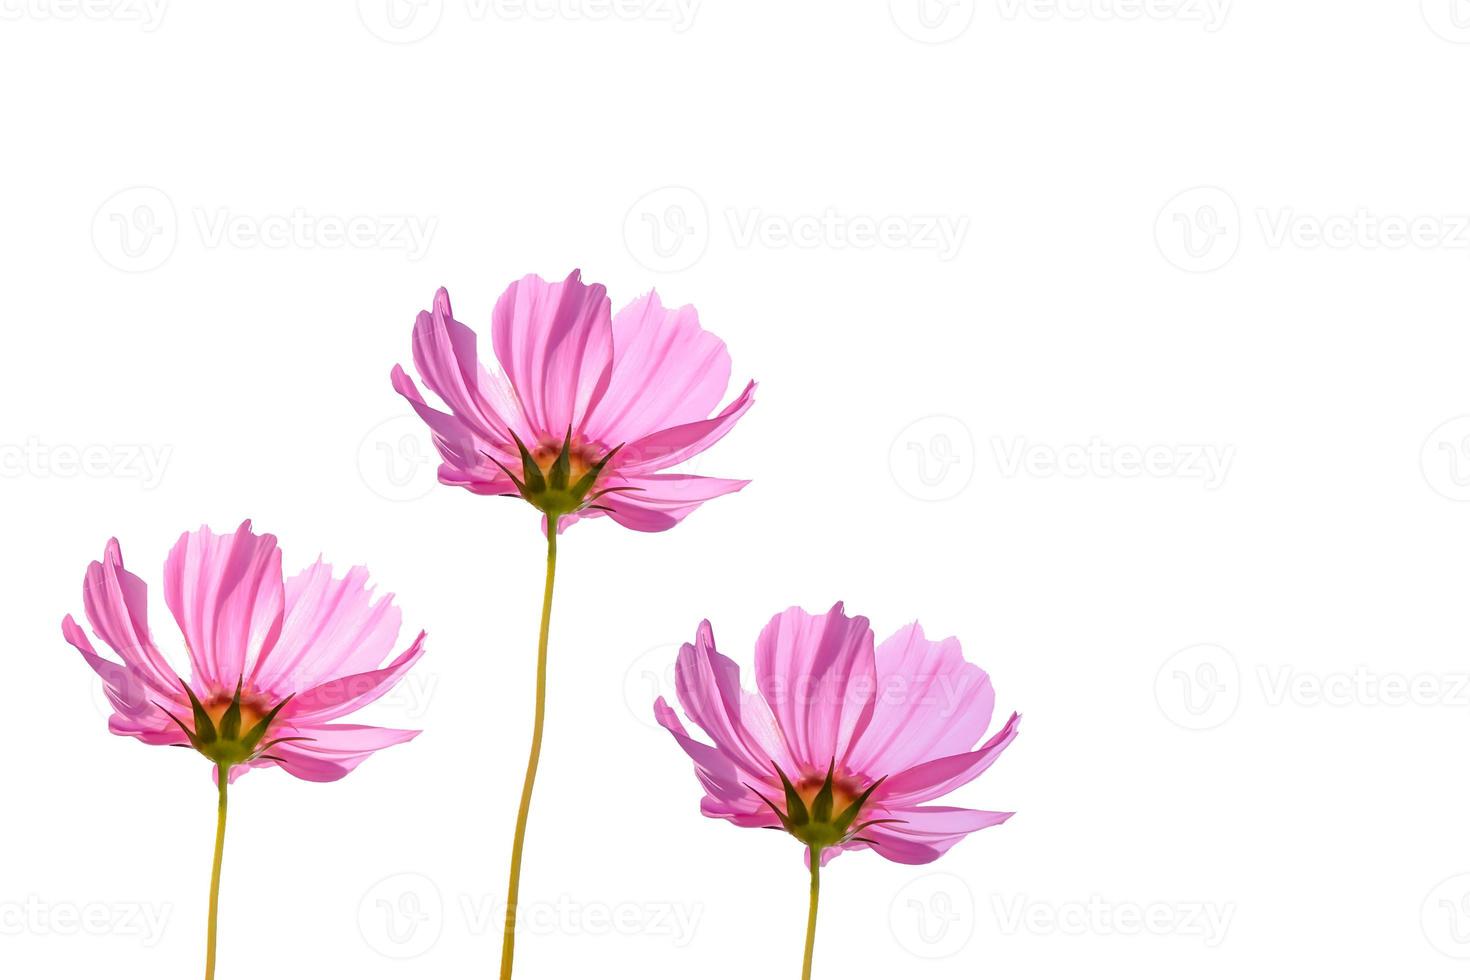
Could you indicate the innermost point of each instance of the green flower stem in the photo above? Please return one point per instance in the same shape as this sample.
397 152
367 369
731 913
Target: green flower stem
508 945
219 857
811 916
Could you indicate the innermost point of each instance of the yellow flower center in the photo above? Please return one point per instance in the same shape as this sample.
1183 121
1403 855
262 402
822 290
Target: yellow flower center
843 791
252 709
580 457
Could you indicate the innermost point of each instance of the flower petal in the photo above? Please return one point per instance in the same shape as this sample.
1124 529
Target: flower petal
341 696
666 371
227 595
554 341
132 697
331 627
741 724
673 445
933 779
467 455
727 796
662 500
816 673
927 832
931 703
445 352
335 750
116 602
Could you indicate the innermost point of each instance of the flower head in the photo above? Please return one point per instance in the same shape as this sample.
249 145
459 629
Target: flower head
844 743
274 662
586 411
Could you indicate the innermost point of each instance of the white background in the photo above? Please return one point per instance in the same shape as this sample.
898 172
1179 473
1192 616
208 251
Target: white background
1178 232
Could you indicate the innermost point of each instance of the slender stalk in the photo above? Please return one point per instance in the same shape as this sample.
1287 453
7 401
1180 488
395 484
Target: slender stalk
219 857
508 945
811 915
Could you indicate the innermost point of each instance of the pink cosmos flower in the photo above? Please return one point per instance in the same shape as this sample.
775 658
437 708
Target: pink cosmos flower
587 410
274 663
845 743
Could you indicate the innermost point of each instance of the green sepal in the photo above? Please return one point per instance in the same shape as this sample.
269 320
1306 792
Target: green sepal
255 734
795 807
193 739
561 467
785 820
590 477
229 722
548 489
223 744
531 475
814 823
203 725
520 487
822 802
850 814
